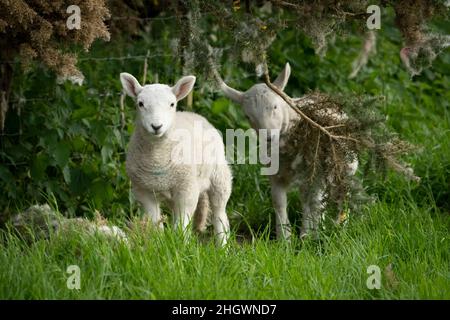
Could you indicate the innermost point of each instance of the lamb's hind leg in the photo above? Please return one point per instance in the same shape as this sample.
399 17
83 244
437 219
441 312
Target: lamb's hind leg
279 202
201 213
312 200
341 195
219 193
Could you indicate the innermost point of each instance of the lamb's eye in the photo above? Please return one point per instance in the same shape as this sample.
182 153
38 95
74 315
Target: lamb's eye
274 107
172 104
141 104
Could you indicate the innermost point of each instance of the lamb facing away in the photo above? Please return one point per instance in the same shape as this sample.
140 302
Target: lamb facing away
265 109
190 185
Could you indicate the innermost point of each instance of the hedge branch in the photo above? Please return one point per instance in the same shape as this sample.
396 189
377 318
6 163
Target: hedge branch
365 143
289 101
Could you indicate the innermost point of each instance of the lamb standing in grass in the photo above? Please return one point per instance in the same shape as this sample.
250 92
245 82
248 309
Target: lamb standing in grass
265 109
153 158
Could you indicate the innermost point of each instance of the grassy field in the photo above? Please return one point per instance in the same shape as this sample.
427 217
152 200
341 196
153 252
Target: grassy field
410 245
405 232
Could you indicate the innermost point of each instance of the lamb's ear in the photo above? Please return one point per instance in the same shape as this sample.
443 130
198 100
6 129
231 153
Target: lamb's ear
231 93
183 86
283 77
130 84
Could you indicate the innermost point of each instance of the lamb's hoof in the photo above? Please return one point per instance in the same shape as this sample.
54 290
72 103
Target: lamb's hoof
304 236
286 240
309 235
284 234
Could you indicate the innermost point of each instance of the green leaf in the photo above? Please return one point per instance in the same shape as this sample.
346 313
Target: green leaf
66 174
78 144
61 154
106 154
79 181
5 174
38 167
220 105
101 192
84 112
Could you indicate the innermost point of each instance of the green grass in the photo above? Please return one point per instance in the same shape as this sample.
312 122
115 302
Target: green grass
413 240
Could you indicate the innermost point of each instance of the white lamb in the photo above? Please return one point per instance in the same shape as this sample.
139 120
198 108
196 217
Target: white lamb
158 172
265 109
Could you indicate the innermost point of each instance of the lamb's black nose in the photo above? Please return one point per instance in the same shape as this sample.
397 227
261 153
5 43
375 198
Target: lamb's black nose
156 128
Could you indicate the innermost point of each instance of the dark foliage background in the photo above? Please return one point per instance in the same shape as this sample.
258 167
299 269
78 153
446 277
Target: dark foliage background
65 144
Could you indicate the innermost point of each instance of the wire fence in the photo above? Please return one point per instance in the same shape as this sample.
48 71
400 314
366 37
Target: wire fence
117 58
18 101
47 98
50 98
109 93
127 18
105 94
128 57
147 19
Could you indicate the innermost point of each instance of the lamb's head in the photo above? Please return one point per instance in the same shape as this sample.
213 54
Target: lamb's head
264 108
156 103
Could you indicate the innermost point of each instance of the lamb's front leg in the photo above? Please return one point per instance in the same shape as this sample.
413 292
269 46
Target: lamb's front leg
150 204
184 205
279 202
312 200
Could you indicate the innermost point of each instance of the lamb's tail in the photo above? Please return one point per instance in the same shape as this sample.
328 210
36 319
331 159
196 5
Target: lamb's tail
201 213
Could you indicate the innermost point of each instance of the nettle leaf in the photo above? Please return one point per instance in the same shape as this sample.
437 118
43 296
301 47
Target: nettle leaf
28 146
106 154
220 105
66 174
77 129
101 192
85 112
61 154
38 166
5 174
118 136
18 152
99 131
78 144
79 181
